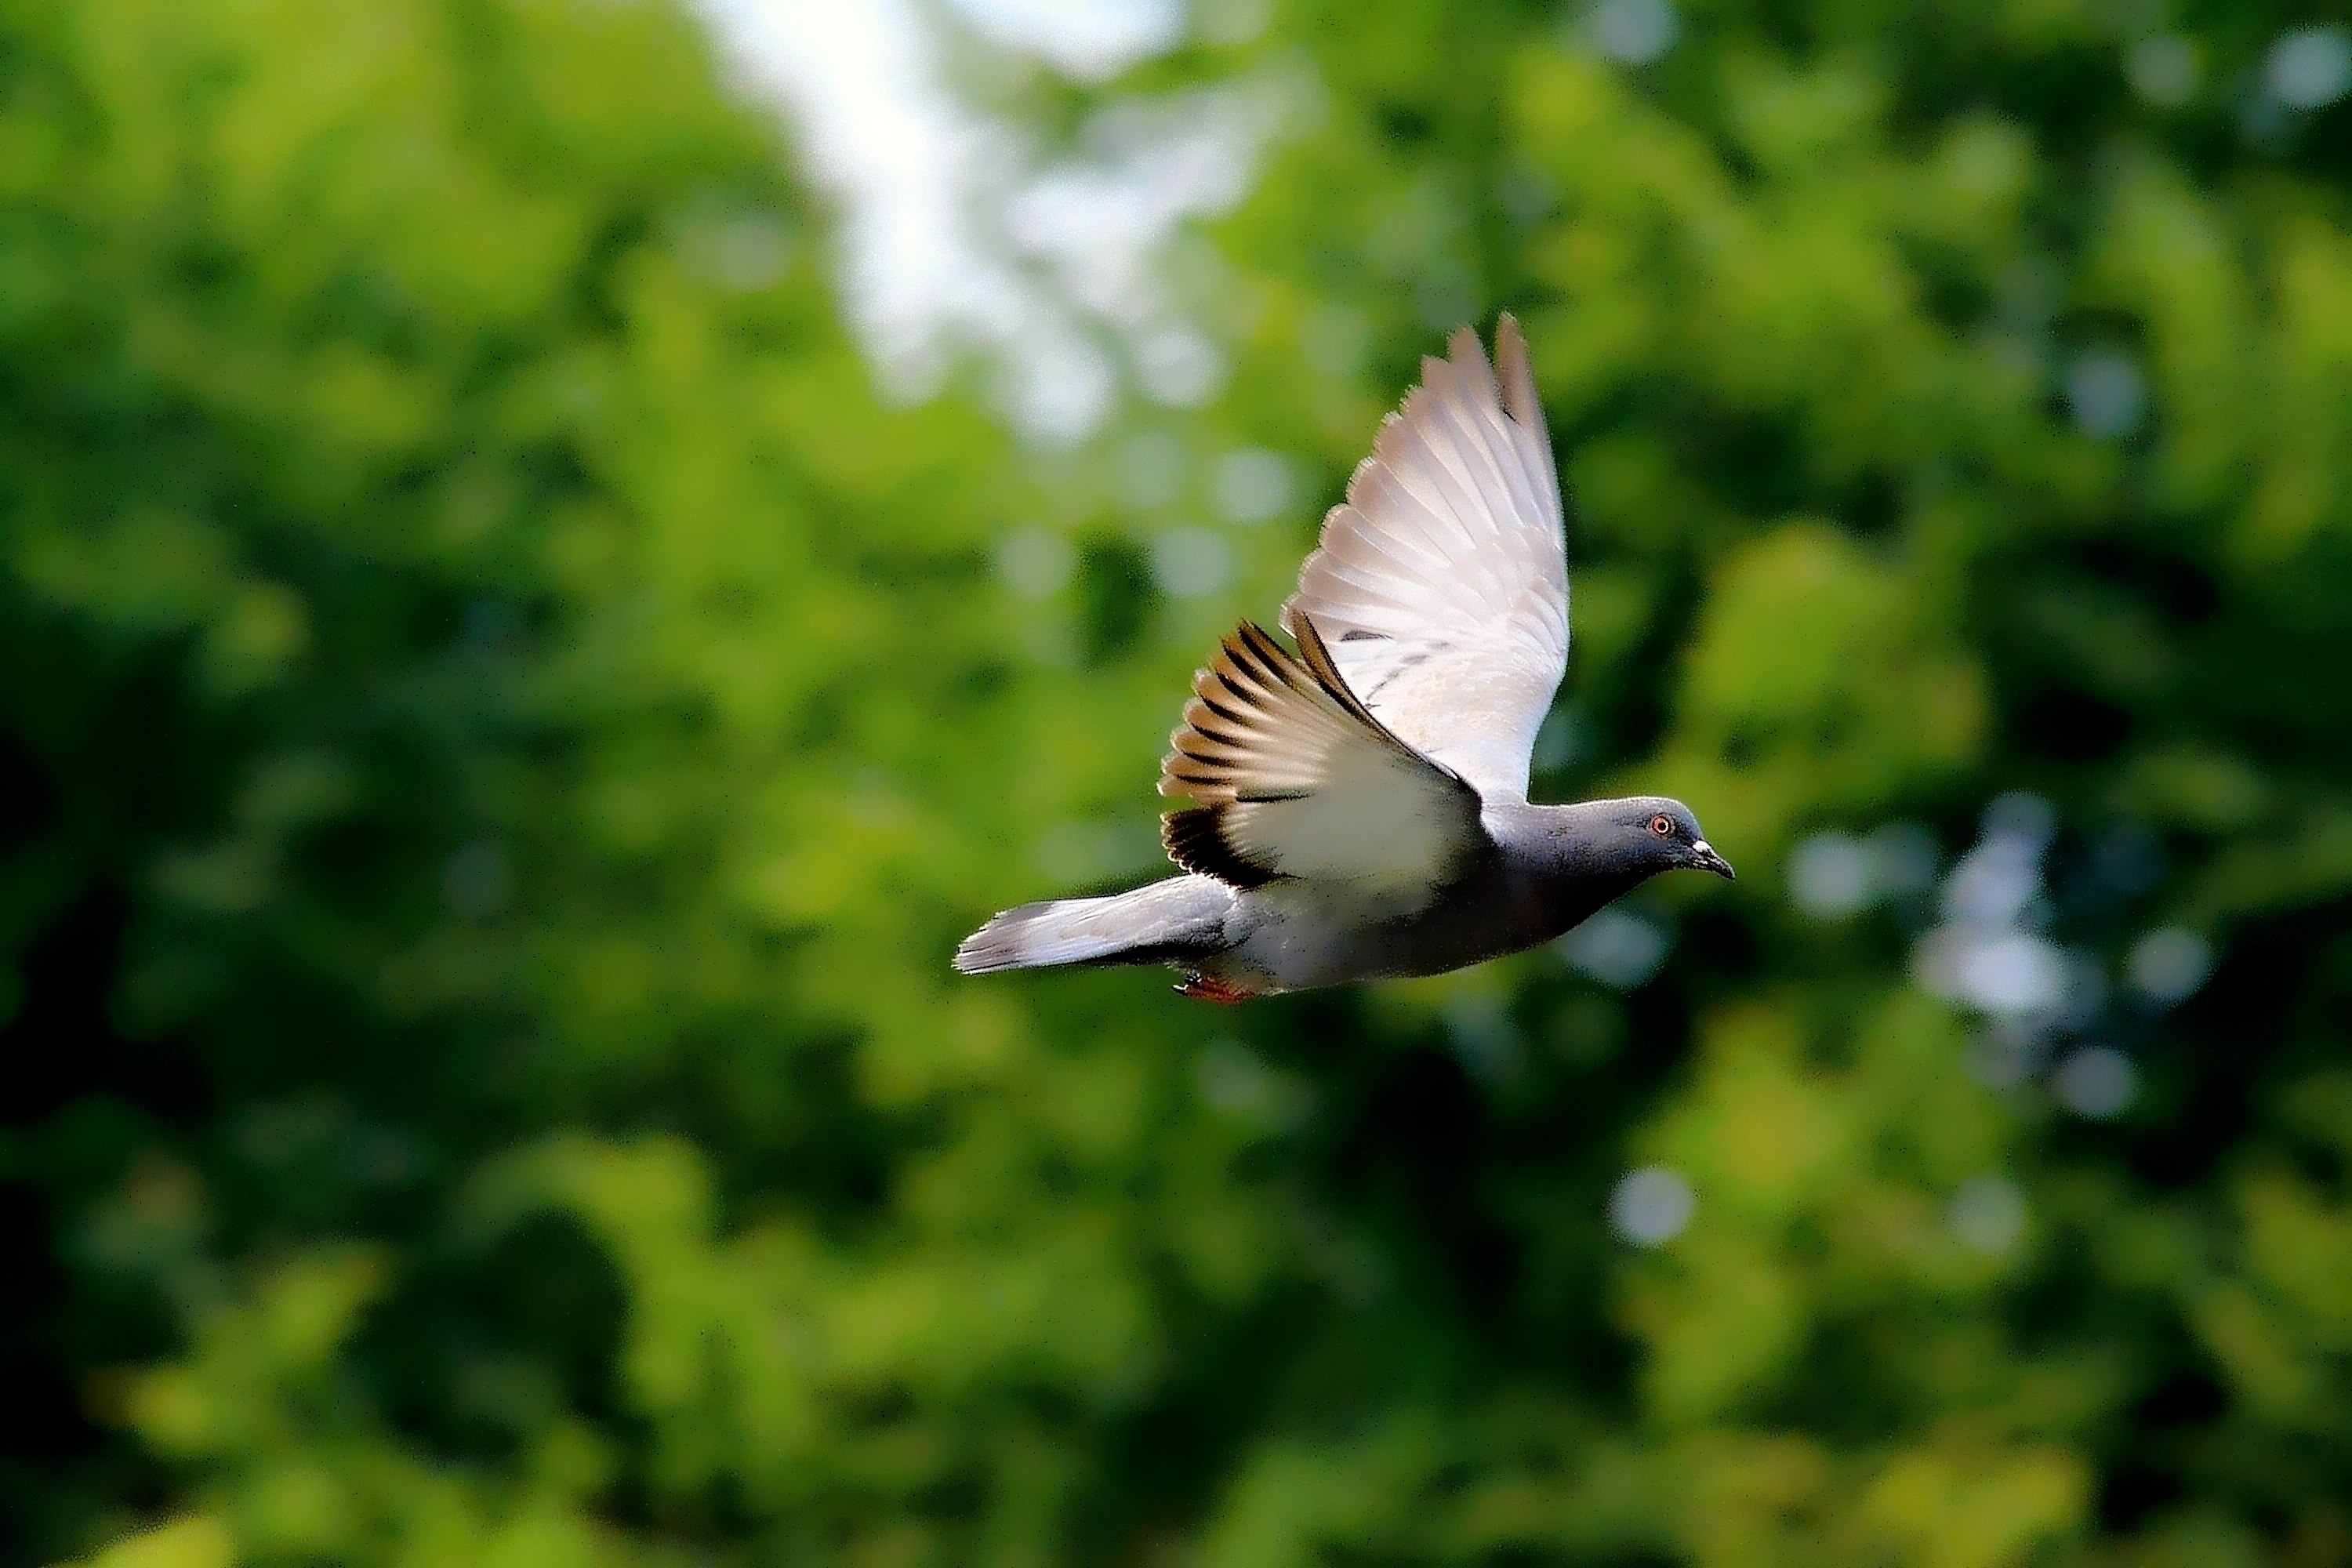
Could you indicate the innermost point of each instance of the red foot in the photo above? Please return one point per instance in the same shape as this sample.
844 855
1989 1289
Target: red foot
1201 988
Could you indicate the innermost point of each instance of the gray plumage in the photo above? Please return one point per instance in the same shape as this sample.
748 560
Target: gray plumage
1358 810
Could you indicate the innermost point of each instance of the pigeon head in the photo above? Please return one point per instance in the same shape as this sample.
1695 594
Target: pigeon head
1653 833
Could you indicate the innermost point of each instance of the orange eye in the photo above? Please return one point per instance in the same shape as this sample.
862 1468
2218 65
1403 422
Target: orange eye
1663 826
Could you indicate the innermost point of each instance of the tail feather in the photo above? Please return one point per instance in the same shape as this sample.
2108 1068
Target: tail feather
1182 917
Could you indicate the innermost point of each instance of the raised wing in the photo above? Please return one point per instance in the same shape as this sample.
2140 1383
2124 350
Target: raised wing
1442 582
1290 776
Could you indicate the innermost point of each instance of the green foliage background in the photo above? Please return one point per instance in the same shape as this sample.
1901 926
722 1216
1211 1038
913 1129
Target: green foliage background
502 726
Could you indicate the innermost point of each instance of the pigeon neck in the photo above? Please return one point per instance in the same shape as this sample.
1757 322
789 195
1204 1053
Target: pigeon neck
1579 840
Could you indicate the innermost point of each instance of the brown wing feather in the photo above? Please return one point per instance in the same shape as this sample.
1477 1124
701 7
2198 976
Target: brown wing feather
1268 731
1196 841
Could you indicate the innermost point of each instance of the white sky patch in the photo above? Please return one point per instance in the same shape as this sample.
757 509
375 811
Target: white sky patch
955 236
1650 1206
1088 39
1618 947
1989 952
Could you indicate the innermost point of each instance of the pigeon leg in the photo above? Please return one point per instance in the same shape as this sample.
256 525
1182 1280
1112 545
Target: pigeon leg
1201 988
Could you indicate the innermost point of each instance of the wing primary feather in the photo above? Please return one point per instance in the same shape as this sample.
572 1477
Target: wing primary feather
1440 585
1484 426
1454 440
1471 392
1439 485
1517 376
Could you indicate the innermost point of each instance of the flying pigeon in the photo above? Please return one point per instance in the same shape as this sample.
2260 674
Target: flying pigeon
1358 809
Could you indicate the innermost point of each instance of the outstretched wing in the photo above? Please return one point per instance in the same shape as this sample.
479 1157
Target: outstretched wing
1290 776
1441 582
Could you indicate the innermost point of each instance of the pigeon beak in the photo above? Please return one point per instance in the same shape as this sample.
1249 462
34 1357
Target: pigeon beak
1705 858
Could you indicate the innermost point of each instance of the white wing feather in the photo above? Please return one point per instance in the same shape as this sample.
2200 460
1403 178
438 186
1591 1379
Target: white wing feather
1441 584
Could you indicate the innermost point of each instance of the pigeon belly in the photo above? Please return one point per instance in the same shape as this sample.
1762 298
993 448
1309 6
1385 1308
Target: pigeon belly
1295 935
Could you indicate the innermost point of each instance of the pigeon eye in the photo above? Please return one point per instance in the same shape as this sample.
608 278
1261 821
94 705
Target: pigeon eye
1663 826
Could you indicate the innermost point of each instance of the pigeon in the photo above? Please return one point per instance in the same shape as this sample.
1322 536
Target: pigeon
1357 809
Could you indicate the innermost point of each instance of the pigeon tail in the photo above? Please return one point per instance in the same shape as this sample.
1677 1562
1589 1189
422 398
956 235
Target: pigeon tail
1180 917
